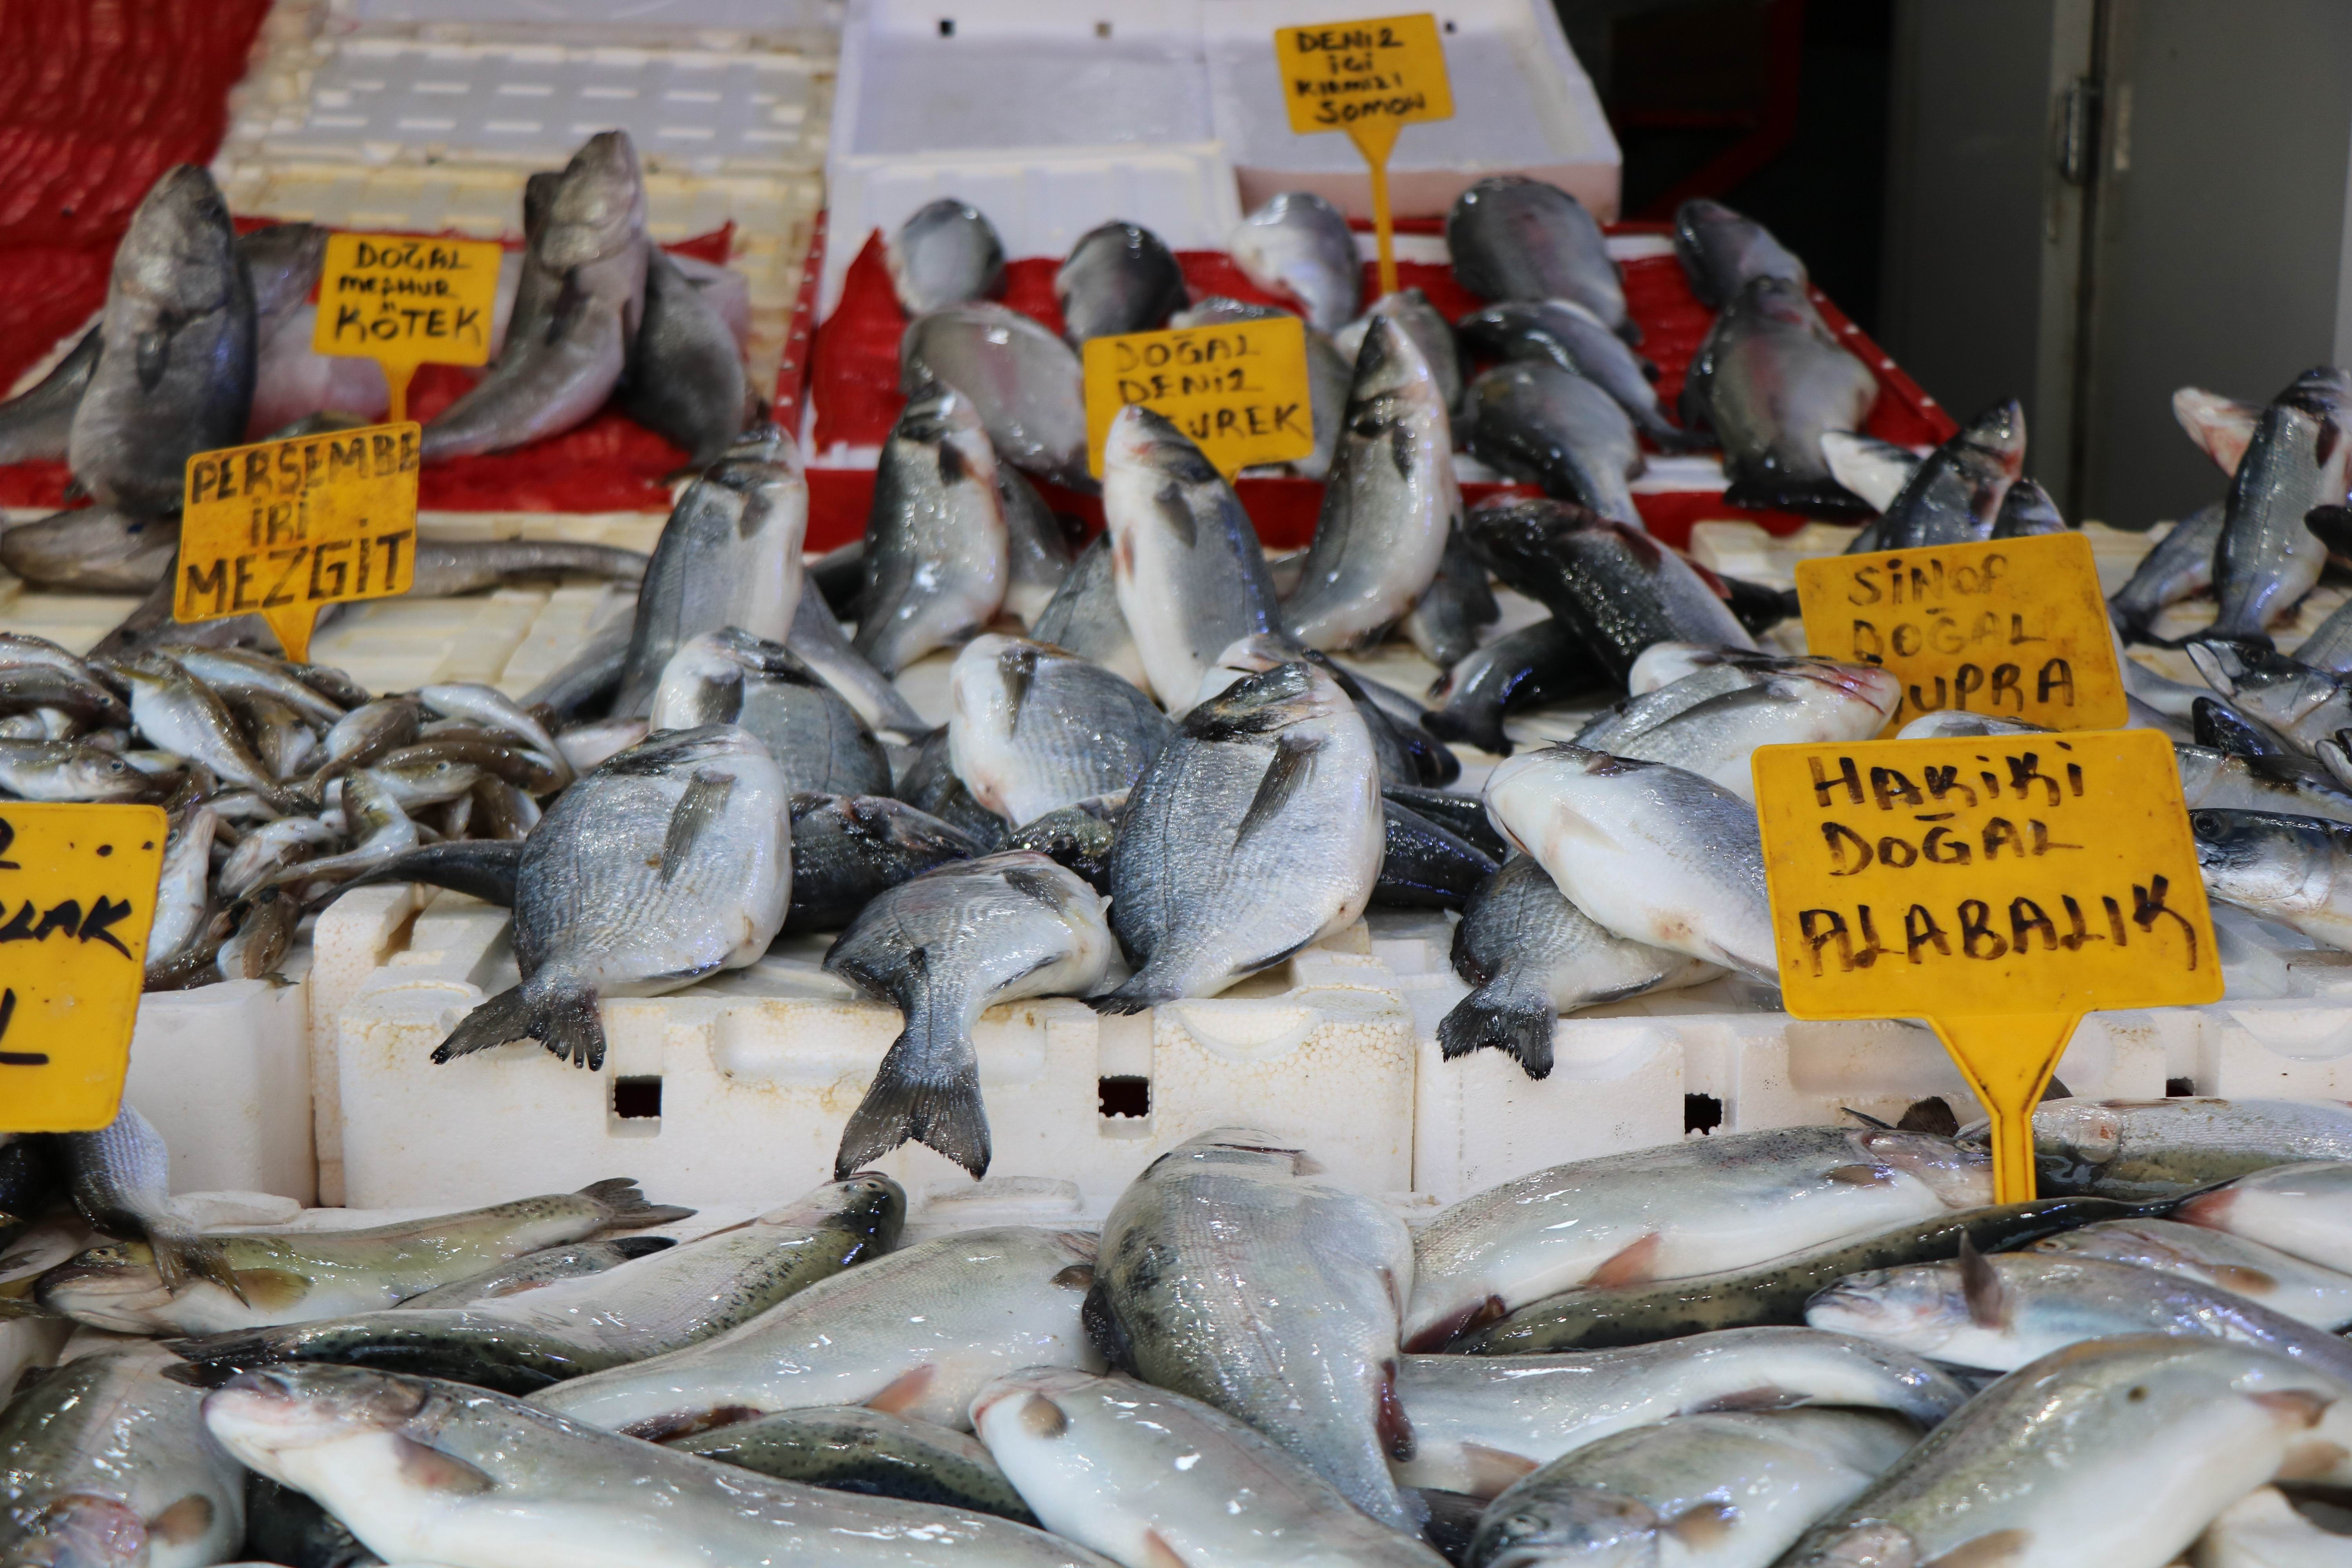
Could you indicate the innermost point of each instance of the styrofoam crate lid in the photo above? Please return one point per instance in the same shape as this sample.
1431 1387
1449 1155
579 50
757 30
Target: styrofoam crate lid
733 16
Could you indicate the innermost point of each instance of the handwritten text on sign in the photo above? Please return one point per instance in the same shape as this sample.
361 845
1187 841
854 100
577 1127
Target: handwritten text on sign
401 300
77 898
283 527
2013 628
1238 390
1389 69
2014 874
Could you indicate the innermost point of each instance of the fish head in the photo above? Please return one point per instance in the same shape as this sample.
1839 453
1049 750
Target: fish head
2275 688
95 774
180 252
1267 702
1029 1406
287 1421
1959 1174
1593 1527
1251 655
2262 859
79 1529
1145 442
1918 1308
866 1204
598 205
114 1286
1992 445
1389 365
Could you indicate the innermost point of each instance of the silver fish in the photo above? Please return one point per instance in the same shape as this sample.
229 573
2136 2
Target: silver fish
936 560
915 1333
818 742
2032 1471
946 253
96 549
1083 616
1720 250
377 830
2297 1208
1655 854
547 379
1119 277
1541 662
1551 427
1226 1276
1956 496
1873 469
1771 381
927 781
2302 705
682 378
1431 333
818 641
2268 558
1255 832
70 770
1698 1207
1670 679
2307 1292
1037 556
182 891
534 1270
1186 564
1565 334
177 378
2221 780
122 1182
1390 506
1482 1423
1533 956
181 714
1030 729
1446 621
1142 1475
37 424
1024 381
943 948
2027 511
850 1448
2296 870
236 672
1298 246
434 1471
271 849
1804 701
2142 1149
1516 238
35 673
848 850
1407 755
670 862
1946 724
1328 373
729 555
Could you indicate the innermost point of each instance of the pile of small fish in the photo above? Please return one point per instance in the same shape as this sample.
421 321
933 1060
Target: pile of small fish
1819 1347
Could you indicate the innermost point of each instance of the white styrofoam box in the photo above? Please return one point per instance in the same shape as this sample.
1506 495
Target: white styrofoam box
1522 105
674 18
223 1071
759 1069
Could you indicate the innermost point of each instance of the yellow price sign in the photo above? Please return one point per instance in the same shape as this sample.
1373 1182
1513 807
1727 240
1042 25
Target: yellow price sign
279 528
1239 391
1369 78
77 898
1997 886
404 302
2013 628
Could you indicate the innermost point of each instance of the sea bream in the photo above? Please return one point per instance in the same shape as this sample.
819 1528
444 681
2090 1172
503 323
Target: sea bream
2297 461
1298 246
1083 618
1032 729
1516 239
848 850
730 677
1023 382
1772 379
1550 428
936 555
1797 701
946 253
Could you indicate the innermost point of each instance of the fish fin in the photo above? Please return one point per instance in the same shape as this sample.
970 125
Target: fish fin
697 811
2311 1459
1392 1423
1454 1325
944 1114
1492 1470
1866 1119
184 1520
1981 1286
1133 995
1157 1552
1076 1277
272 1290
430 1469
151 353
2293 1407
687 1422
2333 526
625 1208
1705 1526
1486 734
1101 1322
1812 498
1017 666
1292 767
563 1018
1170 499
1995 1549
1861 1173
1521 1030
1633 1264
2209 1208
904 1392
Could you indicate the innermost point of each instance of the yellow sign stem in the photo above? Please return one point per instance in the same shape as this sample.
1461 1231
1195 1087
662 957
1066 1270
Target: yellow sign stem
397 375
2007 1059
1376 139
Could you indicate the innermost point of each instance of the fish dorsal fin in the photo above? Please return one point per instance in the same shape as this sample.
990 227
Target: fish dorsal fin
1285 775
1629 1265
430 1469
1980 1287
905 1391
698 810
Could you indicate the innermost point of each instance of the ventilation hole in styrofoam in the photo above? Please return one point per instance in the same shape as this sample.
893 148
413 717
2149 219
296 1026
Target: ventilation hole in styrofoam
2180 1089
947 26
1124 1096
1701 1114
1102 29
636 1099
1451 28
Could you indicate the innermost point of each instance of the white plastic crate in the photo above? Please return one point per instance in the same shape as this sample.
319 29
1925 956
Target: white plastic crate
223 1073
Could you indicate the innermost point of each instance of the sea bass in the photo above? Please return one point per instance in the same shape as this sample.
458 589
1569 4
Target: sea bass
1516 239
2268 558
1773 380
1298 246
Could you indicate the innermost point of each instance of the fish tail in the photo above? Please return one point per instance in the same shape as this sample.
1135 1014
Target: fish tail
1521 1028
562 1017
625 1208
927 1091
1483 729
1138 994
1812 498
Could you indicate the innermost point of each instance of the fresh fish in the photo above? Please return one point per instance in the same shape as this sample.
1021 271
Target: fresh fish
847 851
435 1472
2222 781
70 770
2297 1208
1038 557
1951 723
1773 380
1227 1275
2219 725
264 930
2279 1281
96 549
2221 426
2296 870
1077 838
237 672
1257 831
1119 277
683 377
818 642
817 741
285 1526
1956 494
550 377
179 380
1390 503
1424 866
1186 565
1298 246
376 828
1032 729
2268 558
122 1182
181 714
2265 1528
37 424
1516 238
1407 755
1806 701
729 555
1728 1488
108 1465
2026 512
1481 1422
1720 250
670 862
530 1340
928 781
2304 706
1564 334
423 782
1329 373
852 1449
182 891
586 683
946 253
1597 1317
2146 1149
496 756
1542 662
1410 309
1704 1206
1665 688
936 549
1534 956
915 1333
943 948
1548 427
1150 1477
1023 382
1446 621
535 1271
291 1277
1621 590
1465 815
1083 616
1873 469
35 673
1654 852
2033 1470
